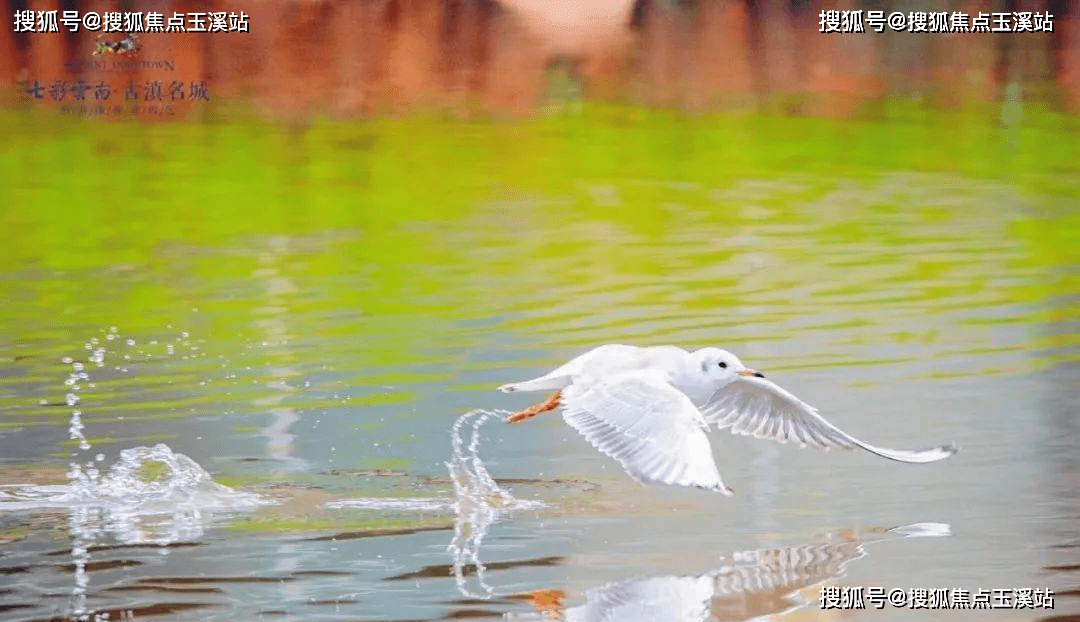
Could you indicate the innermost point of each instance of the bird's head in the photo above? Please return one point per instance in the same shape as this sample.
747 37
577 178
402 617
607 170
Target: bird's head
722 366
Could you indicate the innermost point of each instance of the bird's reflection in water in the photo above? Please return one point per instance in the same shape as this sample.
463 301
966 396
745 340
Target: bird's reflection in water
752 584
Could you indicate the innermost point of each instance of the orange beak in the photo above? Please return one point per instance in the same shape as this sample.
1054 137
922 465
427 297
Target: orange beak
751 373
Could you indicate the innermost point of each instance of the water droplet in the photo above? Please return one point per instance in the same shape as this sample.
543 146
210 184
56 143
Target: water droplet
130 342
66 359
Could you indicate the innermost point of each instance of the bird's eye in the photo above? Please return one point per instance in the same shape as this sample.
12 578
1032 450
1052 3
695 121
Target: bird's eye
723 364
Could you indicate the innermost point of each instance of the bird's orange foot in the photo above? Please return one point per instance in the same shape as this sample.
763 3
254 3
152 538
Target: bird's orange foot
530 412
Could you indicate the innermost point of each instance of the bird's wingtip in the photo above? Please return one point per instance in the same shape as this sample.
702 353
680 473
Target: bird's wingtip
936 454
916 456
722 489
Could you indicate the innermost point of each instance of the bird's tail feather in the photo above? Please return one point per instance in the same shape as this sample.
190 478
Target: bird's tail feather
543 383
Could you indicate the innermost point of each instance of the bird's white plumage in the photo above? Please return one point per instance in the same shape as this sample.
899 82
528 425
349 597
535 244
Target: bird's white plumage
651 428
649 408
600 362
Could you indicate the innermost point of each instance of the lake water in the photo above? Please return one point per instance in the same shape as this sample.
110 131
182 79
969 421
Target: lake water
307 312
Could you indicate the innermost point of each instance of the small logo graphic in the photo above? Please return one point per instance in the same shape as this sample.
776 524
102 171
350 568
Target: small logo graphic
127 45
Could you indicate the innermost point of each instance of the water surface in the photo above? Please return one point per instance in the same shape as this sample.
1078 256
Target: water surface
305 312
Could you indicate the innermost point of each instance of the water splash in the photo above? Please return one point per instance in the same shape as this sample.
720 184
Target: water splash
144 481
479 502
150 494
81 468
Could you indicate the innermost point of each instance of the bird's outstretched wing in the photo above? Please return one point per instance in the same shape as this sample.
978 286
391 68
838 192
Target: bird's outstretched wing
646 424
757 407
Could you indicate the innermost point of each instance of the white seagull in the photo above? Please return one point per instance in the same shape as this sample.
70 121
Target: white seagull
649 409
